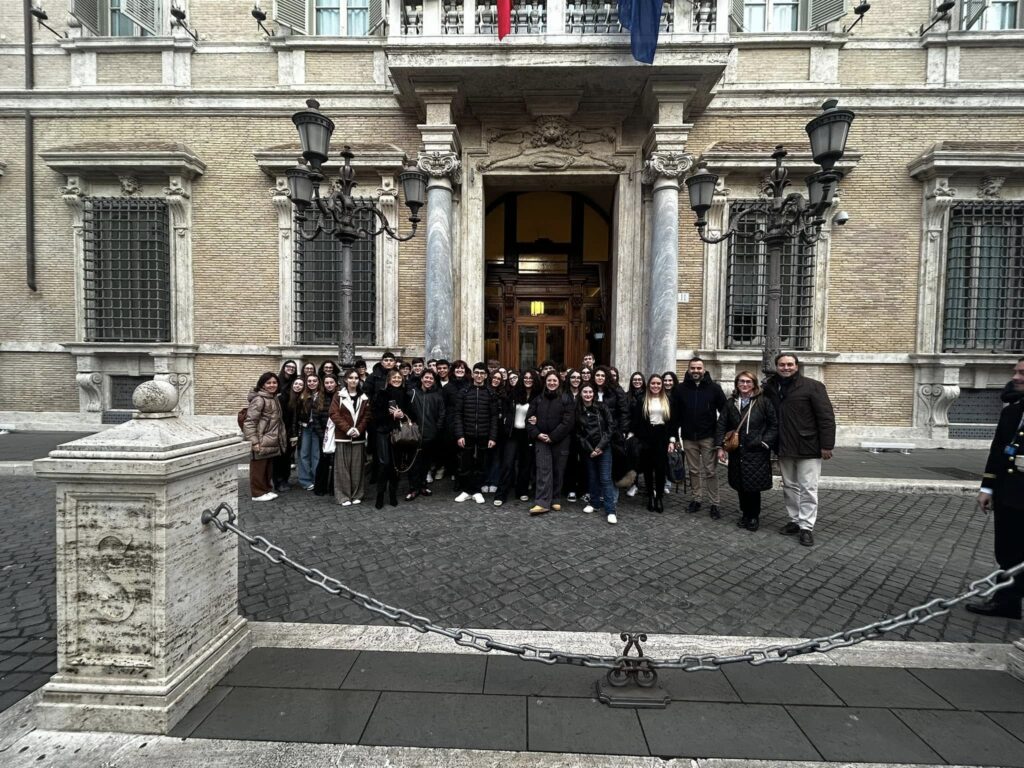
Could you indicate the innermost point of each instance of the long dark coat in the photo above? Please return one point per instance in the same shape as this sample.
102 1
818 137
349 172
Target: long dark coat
750 467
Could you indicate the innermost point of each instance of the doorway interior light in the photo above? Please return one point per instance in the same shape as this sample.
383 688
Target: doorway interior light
536 308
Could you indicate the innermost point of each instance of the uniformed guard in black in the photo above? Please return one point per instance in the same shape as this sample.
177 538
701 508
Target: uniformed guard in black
1002 489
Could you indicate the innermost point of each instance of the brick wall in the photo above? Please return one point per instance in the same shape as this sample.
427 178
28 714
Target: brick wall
210 70
34 382
991 64
781 65
118 68
339 67
223 381
872 394
860 67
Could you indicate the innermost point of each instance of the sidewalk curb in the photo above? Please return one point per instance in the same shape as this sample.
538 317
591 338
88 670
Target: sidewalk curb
16 469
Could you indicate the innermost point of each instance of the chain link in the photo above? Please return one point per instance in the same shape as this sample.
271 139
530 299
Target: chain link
484 643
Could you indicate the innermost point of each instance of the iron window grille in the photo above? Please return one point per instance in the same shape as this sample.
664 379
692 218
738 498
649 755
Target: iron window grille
984 298
317 277
747 288
127 270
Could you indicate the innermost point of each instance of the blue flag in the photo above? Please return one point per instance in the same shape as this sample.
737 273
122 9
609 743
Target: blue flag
642 18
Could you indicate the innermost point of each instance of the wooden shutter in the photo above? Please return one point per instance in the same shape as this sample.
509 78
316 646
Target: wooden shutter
972 11
823 11
377 20
87 12
145 13
736 13
292 14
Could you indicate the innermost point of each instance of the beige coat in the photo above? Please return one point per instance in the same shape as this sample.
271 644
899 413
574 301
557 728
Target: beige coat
265 426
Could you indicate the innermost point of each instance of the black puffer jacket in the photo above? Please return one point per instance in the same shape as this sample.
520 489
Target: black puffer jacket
555 416
615 401
696 406
450 392
750 466
594 428
807 423
428 411
476 414
383 421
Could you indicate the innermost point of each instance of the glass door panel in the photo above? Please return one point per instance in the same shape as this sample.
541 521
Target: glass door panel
554 343
529 342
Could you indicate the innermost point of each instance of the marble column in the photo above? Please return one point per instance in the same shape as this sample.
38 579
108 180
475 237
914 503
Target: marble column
443 169
663 171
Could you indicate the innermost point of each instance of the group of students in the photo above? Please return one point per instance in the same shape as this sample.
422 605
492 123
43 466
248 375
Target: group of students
558 433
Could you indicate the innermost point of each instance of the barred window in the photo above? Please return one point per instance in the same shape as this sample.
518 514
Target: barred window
747 288
984 303
127 270
317 278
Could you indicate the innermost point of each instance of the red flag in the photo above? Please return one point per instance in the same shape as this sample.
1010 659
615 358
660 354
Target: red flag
504 18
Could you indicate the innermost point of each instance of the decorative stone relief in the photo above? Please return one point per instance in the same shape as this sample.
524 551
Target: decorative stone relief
130 185
937 399
114 602
91 385
937 202
551 144
668 165
990 186
441 165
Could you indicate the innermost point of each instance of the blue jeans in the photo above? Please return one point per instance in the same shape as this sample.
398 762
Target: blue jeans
599 476
309 456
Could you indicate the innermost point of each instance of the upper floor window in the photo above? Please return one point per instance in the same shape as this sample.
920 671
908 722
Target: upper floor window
990 14
121 18
747 288
331 18
317 273
127 262
984 301
784 15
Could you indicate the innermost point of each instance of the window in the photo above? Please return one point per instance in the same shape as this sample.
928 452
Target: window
317 272
359 18
990 14
984 301
120 18
354 18
747 287
784 15
328 17
127 270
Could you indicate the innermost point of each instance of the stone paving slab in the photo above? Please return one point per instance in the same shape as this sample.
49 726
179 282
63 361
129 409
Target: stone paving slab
960 737
583 726
861 735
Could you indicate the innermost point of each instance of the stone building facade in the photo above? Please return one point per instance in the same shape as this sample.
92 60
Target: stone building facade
151 167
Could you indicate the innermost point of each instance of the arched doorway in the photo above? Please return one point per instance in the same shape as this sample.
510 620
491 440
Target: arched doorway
547 255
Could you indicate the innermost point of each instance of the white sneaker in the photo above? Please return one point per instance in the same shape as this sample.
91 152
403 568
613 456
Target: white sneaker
498 502
346 503
478 498
268 496
462 497
668 487
439 475
632 491
588 509
430 477
524 497
357 501
612 519
572 497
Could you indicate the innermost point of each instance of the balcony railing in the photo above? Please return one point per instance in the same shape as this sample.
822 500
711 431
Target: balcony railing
577 17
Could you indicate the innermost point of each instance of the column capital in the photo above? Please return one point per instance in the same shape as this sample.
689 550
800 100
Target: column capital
441 165
666 166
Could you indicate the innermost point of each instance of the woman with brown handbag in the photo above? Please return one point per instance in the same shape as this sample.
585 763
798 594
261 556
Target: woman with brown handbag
747 430
264 429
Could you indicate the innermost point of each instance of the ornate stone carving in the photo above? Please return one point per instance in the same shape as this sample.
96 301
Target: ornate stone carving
990 185
937 201
73 193
114 602
176 193
937 399
130 185
91 385
441 165
669 165
552 144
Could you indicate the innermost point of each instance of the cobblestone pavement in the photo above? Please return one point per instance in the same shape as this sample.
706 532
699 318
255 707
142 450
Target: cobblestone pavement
481 566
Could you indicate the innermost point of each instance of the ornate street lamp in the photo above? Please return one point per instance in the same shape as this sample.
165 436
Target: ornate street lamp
339 214
783 217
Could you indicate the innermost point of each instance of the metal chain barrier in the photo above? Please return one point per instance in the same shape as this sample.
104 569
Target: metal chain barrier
479 641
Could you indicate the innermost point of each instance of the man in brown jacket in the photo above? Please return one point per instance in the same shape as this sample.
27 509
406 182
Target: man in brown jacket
807 434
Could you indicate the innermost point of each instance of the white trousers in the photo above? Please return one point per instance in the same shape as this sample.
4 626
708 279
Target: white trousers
800 490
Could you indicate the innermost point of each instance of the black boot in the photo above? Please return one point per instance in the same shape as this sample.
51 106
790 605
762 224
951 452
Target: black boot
659 503
650 502
994 606
393 491
379 504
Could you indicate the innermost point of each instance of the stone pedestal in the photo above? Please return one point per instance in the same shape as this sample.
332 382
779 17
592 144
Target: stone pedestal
147 598
1015 662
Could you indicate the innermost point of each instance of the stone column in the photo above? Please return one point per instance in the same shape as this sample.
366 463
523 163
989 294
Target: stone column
444 170
147 598
663 170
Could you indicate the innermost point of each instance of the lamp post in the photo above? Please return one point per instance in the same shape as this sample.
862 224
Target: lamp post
339 214
785 216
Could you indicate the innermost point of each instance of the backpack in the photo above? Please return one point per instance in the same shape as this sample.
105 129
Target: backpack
676 466
242 412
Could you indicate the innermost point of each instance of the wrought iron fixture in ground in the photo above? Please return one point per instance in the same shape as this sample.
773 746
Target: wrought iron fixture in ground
639 669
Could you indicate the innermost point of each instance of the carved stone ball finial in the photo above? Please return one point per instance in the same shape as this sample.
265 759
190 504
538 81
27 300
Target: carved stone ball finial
155 397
